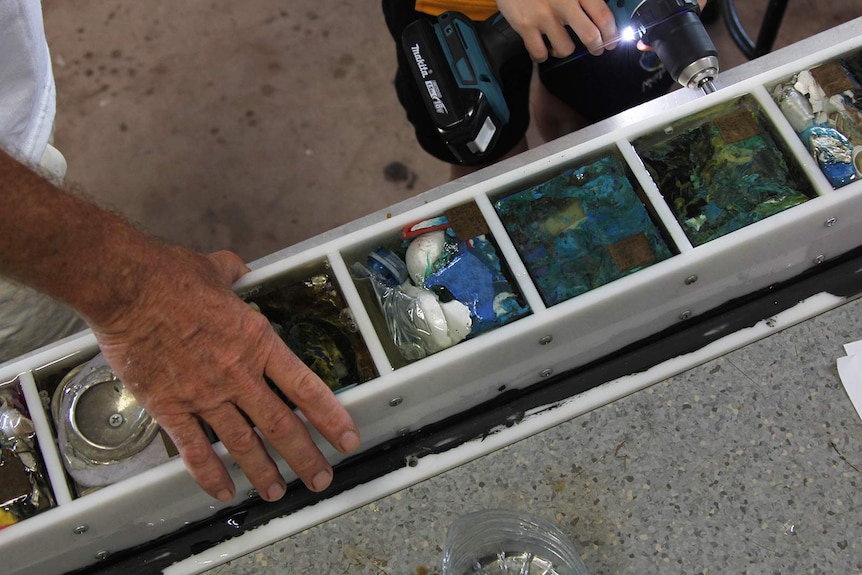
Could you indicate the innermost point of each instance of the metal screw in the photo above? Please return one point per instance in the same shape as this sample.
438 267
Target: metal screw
80 529
690 279
820 259
831 222
547 372
546 340
102 555
252 493
412 461
395 401
685 315
403 431
116 420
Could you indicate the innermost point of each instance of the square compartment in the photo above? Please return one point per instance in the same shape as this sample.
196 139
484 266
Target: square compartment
25 488
824 106
435 284
307 310
583 228
723 169
103 434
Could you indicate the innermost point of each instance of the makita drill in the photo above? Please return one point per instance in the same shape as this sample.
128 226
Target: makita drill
456 63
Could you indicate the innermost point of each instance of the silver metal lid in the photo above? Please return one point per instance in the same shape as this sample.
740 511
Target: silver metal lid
103 421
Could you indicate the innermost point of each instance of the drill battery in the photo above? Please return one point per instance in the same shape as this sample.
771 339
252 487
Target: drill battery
457 78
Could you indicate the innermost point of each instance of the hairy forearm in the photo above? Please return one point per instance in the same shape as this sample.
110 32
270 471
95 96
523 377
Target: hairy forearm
67 247
175 334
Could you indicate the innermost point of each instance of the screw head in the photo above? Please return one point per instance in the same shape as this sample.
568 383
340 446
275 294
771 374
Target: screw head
547 372
116 420
102 555
395 401
546 340
831 222
80 529
685 315
820 259
690 279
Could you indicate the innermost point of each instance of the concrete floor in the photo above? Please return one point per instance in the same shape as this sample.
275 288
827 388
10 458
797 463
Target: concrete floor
251 126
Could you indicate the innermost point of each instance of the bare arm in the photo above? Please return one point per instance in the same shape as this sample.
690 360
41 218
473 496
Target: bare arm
174 332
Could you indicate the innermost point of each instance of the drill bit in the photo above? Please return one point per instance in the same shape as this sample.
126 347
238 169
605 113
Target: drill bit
707 86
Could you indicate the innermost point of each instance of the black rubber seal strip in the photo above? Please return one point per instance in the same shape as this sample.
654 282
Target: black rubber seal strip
841 277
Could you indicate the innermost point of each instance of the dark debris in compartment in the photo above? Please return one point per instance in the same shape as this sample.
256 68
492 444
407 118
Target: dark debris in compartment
312 318
722 170
582 229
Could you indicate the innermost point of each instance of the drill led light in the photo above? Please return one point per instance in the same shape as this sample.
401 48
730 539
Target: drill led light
628 34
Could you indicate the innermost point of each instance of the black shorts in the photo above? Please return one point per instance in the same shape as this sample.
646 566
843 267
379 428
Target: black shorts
596 87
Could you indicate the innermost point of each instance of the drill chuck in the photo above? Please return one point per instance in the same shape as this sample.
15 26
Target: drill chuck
685 48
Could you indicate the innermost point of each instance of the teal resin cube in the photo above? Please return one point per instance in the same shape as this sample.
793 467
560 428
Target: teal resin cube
582 229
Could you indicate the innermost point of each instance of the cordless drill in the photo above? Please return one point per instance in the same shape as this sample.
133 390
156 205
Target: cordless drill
456 63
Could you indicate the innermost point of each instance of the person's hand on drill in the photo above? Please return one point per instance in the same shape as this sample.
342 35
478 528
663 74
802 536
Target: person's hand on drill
175 333
591 21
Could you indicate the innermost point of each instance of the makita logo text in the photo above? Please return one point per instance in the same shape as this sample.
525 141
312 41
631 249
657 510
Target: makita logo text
420 61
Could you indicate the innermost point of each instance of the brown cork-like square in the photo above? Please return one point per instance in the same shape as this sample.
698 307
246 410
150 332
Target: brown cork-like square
467 221
832 78
632 252
737 126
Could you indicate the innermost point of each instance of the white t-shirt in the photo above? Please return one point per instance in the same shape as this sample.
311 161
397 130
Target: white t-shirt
27 93
27 106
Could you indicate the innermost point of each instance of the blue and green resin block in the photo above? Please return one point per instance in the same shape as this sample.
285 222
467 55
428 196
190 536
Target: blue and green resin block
722 169
582 229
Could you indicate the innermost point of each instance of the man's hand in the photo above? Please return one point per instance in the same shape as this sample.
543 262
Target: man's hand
173 331
591 20
190 350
